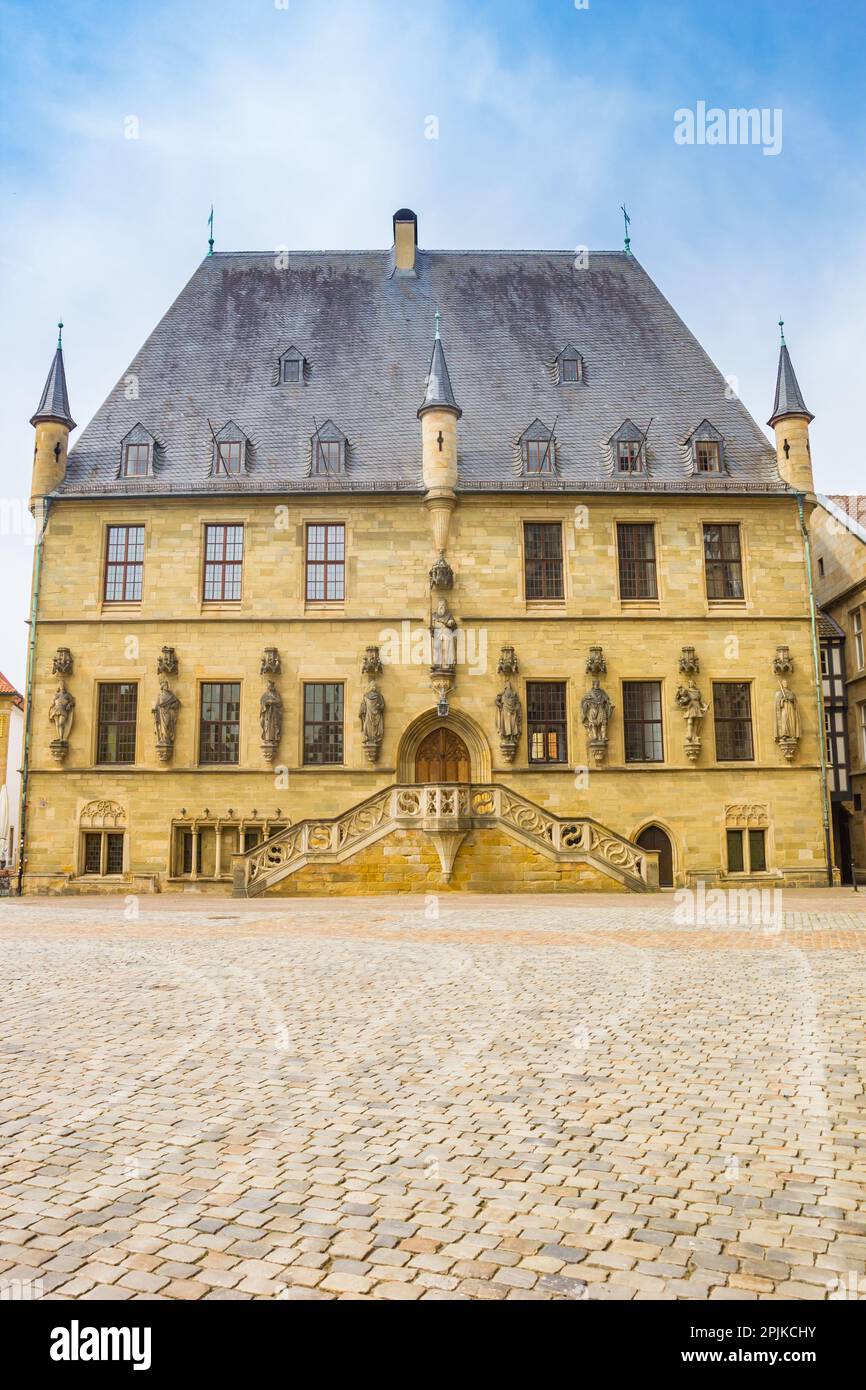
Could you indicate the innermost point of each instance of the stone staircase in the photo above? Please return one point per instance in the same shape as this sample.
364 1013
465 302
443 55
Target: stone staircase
446 812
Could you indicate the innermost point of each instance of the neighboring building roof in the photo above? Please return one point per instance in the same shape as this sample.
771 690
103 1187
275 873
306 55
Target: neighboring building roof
54 402
852 503
364 334
828 629
841 515
7 688
789 397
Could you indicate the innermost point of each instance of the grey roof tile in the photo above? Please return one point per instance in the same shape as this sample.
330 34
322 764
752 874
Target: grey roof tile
364 335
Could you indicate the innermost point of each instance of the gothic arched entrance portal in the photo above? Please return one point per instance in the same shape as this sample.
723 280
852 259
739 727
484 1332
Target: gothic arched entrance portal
442 757
653 837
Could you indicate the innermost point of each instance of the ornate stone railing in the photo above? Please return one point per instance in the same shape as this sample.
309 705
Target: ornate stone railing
445 811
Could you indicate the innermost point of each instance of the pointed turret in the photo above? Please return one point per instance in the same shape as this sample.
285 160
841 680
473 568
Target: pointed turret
439 413
790 421
52 422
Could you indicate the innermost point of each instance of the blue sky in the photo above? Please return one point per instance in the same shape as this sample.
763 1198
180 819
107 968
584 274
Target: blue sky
305 126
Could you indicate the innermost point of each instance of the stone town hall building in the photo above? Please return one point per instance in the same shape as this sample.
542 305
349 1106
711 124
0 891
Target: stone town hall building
317 612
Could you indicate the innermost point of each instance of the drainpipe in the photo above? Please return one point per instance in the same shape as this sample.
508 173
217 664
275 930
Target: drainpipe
44 504
819 687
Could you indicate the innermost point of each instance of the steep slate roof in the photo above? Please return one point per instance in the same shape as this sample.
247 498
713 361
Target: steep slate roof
366 336
54 401
789 397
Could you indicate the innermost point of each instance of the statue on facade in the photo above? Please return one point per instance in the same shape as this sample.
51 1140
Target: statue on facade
787 720
271 720
509 720
596 709
372 719
688 697
165 713
444 638
61 715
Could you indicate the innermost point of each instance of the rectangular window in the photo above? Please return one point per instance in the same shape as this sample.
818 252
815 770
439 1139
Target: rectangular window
637 560
219 727
629 455
857 622
569 369
115 740
821 566
757 851
114 854
223 563
323 722
103 852
327 456
291 369
251 839
124 563
191 842
546 725
136 460
732 716
230 453
539 455
736 859
642 721
861 711
707 456
93 852
724 561
326 562
542 548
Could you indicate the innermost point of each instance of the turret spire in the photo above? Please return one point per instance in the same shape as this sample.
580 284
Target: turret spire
789 397
438 392
54 401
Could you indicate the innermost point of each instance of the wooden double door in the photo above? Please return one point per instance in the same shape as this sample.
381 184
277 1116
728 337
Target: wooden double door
442 757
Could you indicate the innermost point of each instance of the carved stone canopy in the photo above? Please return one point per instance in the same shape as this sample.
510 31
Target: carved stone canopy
166 662
271 664
507 662
372 662
62 663
783 662
595 662
441 574
689 663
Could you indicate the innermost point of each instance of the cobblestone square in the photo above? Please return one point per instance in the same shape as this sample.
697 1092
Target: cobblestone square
440 1098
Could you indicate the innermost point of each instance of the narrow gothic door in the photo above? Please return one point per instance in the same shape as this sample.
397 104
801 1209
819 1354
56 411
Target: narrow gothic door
653 837
442 757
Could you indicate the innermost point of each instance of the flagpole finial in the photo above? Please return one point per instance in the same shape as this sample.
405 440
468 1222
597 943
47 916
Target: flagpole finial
210 238
782 330
60 334
438 319
626 222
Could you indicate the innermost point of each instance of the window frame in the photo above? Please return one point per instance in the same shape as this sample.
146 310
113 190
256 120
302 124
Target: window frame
324 566
725 564
103 835
221 468
335 724
649 563
125 566
138 445
543 561
221 563
629 722
573 361
857 634
715 446
726 720
103 723
546 724
743 835
221 723
633 465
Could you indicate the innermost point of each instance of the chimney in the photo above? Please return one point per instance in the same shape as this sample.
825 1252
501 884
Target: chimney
405 241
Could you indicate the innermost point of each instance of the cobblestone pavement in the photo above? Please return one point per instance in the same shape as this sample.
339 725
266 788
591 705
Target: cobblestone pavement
452 1098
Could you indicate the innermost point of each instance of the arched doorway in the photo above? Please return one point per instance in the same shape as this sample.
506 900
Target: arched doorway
442 757
654 838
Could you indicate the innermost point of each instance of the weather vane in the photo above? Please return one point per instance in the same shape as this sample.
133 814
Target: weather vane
60 334
627 221
782 330
210 238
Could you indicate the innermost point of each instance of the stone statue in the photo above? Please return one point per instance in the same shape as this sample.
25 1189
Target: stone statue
62 712
165 713
694 708
509 719
787 715
595 712
372 719
271 716
444 638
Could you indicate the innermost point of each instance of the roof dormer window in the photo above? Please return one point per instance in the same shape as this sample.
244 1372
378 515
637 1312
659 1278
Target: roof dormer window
229 457
569 366
707 455
705 449
538 450
290 368
328 450
629 449
137 450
